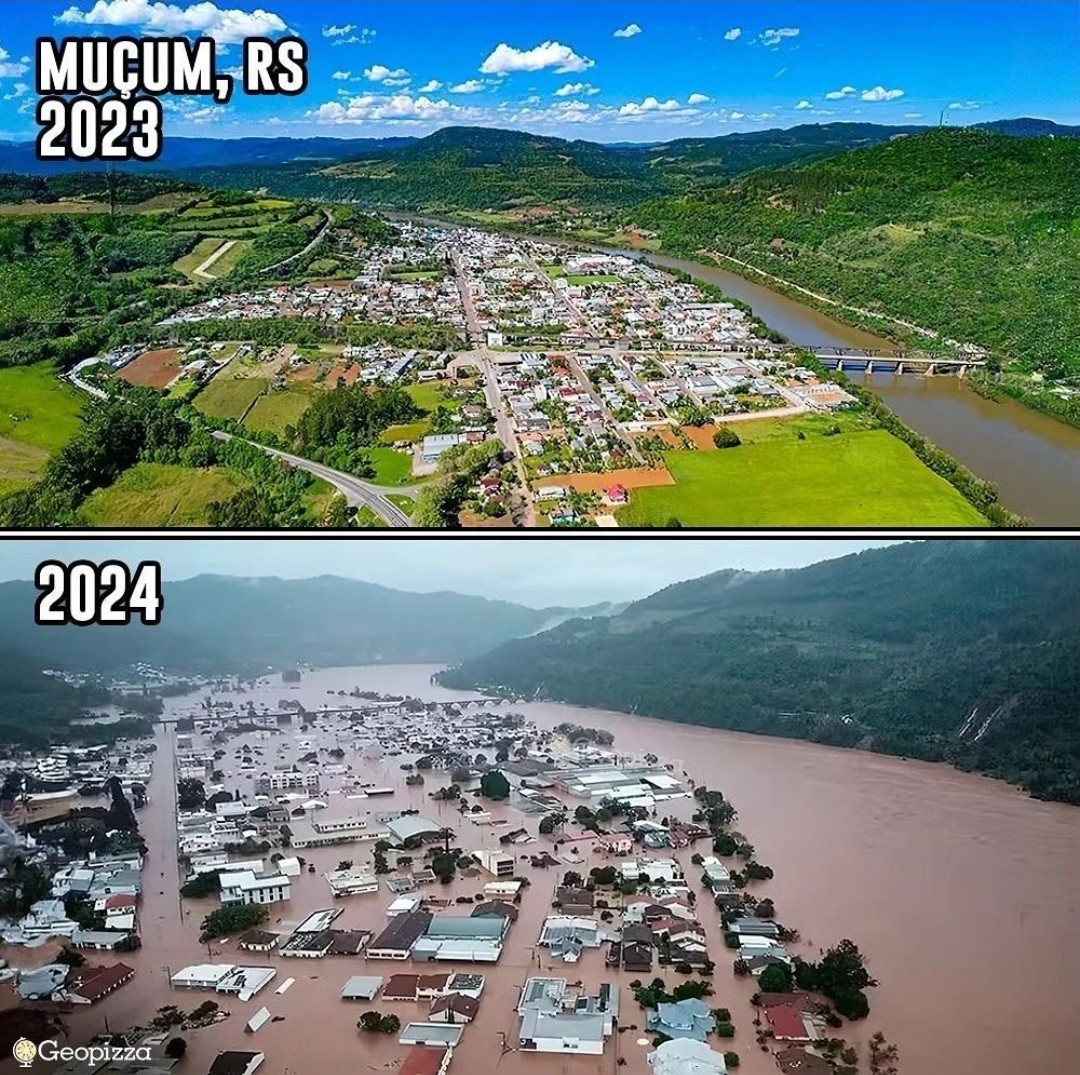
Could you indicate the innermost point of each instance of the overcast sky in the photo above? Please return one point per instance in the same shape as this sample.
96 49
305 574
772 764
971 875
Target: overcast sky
537 572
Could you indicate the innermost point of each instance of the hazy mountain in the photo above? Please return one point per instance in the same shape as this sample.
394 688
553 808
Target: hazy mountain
214 623
180 152
1026 127
956 650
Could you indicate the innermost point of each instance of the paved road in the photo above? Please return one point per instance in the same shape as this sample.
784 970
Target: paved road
220 252
78 382
357 493
522 511
315 240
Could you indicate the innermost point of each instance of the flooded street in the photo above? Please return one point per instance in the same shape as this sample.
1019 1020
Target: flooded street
960 891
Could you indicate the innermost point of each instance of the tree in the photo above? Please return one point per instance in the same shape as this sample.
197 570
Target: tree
731 1059
726 437
775 979
851 1003
376 1023
202 884
843 967
120 815
190 794
493 785
176 1048
725 1030
232 918
70 957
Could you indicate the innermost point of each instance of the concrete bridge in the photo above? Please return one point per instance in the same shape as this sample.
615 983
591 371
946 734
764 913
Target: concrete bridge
862 359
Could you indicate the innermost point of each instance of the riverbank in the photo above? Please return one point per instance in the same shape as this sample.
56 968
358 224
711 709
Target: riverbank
981 494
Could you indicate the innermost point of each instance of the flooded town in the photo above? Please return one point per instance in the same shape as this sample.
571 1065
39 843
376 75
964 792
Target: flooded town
321 870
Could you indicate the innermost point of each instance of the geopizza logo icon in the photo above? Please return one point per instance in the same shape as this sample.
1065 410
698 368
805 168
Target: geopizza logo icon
26 1052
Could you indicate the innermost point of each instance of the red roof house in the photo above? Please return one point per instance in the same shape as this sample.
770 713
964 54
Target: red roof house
787 1023
425 1060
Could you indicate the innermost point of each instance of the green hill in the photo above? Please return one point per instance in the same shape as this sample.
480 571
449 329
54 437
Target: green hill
973 234
482 168
218 624
963 651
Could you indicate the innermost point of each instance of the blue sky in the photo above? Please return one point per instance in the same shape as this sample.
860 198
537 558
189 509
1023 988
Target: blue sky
607 71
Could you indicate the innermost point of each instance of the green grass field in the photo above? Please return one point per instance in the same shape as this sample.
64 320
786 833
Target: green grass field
278 409
37 408
155 494
406 503
199 253
856 479
391 468
413 432
429 395
38 415
230 397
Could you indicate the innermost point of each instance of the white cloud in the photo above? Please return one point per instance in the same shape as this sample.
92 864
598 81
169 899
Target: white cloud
964 106
576 89
836 95
473 85
430 87
697 99
338 31
733 34
11 70
650 104
342 76
381 73
398 107
17 91
803 104
772 38
737 115
629 31
364 37
225 25
879 93
560 58
912 115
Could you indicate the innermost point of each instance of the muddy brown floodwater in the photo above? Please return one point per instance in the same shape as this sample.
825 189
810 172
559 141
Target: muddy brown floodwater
961 892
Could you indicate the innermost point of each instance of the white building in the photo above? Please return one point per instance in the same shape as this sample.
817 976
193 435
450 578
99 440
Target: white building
351 882
245 886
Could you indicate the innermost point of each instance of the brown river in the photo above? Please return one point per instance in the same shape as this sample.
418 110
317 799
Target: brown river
1032 458
961 892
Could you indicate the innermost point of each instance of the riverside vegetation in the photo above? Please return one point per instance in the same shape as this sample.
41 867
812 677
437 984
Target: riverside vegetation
974 666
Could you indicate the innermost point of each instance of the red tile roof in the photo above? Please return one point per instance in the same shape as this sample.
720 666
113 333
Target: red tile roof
93 983
787 1023
422 1060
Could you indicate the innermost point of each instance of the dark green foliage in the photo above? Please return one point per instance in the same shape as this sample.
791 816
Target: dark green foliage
341 422
232 918
989 630
966 232
376 1023
726 437
731 1059
202 884
493 785
775 979
176 1048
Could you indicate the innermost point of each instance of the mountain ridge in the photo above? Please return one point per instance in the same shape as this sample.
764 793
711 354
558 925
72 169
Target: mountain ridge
974 665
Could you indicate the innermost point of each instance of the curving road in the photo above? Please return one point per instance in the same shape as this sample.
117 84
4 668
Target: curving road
356 492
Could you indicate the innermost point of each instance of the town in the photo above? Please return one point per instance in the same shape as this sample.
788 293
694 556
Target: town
587 366
470 882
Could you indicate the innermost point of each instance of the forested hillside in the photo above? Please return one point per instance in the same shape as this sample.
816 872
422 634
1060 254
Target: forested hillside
963 651
973 234
480 168
217 624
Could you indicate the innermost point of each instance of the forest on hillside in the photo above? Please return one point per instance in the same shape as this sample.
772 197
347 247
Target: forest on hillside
958 651
972 234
